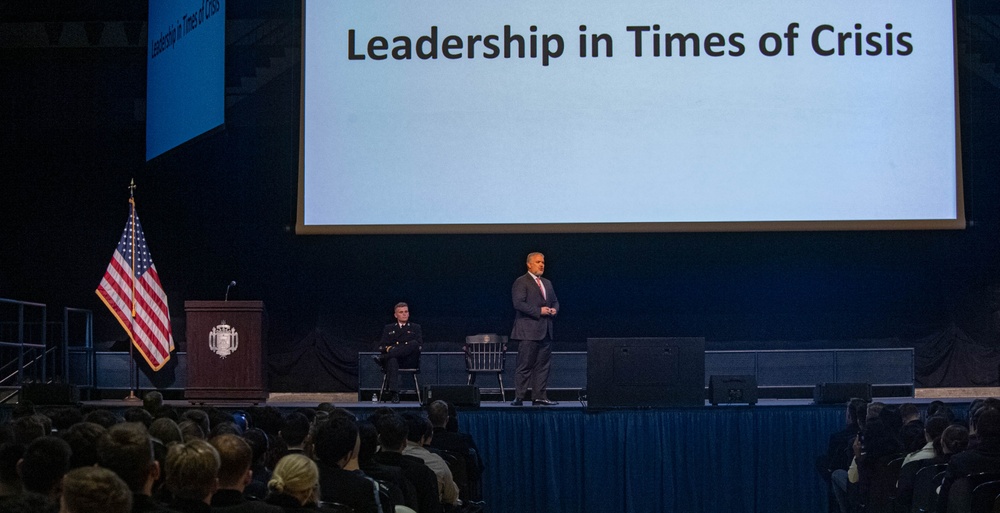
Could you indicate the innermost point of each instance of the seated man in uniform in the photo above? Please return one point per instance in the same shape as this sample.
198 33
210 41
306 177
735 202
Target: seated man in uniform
398 348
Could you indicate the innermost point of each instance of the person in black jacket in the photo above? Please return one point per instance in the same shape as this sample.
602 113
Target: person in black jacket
399 347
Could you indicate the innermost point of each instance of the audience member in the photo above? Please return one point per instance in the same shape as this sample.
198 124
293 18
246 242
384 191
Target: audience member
192 475
27 428
461 444
294 484
166 431
912 432
191 430
984 457
392 433
259 443
127 450
41 468
136 414
82 439
392 477
63 418
954 440
103 418
932 439
294 432
94 490
235 457
29 502
337 445
929 454
152 402
419 433
200 418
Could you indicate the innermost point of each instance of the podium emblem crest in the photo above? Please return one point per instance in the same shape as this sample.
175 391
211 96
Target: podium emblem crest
223 340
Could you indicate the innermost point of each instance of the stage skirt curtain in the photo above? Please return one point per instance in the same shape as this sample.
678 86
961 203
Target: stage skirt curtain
725 459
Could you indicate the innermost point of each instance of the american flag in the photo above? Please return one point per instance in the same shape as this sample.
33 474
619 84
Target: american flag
131 290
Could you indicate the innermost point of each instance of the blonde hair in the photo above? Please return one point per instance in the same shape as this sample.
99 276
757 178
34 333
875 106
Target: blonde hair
298 476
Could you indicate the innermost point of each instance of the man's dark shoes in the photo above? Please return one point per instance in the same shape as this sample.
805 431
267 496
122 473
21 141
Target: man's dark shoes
517 402
543 402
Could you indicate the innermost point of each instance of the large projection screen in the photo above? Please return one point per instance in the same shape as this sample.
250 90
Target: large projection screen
185 72
465 116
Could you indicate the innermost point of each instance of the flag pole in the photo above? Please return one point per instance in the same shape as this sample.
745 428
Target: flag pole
132 398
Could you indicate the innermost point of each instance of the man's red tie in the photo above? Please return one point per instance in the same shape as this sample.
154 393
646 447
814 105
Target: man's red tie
539 282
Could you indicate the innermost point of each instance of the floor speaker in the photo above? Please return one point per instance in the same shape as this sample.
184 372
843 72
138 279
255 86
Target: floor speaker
50 393
732 389
839 393
459 395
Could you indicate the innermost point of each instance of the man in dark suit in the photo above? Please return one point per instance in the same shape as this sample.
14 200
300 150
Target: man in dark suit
399 347
535 305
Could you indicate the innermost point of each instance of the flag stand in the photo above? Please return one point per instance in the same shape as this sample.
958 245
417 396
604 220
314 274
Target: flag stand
132 376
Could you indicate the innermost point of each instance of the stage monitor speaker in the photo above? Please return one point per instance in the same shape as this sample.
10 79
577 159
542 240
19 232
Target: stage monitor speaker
459 395
732 390
839 393
645 372
50 393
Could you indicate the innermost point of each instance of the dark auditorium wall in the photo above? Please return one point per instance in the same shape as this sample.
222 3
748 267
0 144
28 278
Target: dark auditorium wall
222 208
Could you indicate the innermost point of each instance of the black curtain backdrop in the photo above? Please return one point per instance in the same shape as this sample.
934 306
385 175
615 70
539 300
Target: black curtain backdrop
222 208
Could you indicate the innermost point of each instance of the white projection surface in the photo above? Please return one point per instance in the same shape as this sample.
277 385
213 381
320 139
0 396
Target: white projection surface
439 116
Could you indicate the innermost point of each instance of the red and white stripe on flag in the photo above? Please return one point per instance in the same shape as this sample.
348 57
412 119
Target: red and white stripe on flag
124 286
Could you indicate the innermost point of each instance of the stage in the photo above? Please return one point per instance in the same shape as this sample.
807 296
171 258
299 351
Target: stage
568 458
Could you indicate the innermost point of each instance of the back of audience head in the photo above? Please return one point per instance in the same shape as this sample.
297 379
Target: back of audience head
152 401
891 417
199 417
392 432
909 412
136 414
192 470
63 418
102 417
939 408
418 428
298 476
954 439
235 459
23 409
43 464
27 429
369 442
166 430
857 411
127 449
94 490
437 413
258 441
82 439
295 430
268 419
336 439
452 418
190 430
988 424
933 429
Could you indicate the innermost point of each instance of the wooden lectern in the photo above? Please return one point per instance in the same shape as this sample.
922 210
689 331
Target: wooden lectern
226 351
